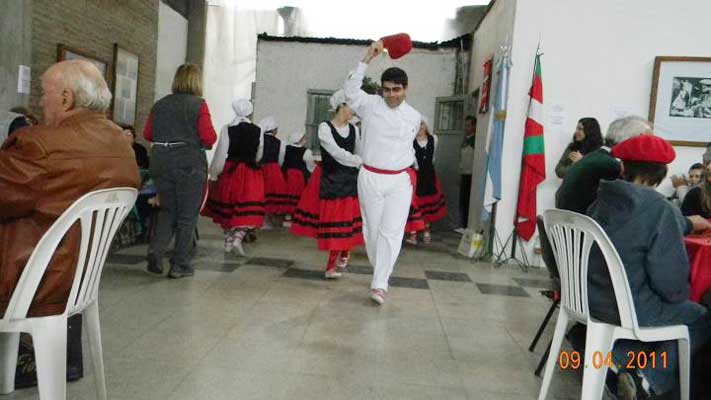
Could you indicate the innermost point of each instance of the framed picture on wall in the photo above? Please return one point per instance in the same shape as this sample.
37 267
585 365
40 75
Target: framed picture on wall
125 86
67 53
680 104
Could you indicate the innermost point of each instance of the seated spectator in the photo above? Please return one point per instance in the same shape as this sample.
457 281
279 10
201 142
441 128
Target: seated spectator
698 200
45 169
587 138
31 120
138 149
647 232
579 187
10 122
682 184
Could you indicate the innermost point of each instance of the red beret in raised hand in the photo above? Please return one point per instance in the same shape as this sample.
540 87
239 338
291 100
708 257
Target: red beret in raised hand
645 148
397 45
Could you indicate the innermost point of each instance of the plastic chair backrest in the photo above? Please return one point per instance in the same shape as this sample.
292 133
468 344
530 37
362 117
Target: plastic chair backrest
100 214
572 236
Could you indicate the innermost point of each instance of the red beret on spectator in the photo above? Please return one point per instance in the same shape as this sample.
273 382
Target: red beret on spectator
645 148
397 45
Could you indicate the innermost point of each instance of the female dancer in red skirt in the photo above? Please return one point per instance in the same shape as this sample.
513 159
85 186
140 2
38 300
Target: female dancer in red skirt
298 165
428 194
236 201
275 194
329 210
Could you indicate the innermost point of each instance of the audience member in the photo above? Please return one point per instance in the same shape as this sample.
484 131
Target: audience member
579 187
648 234
466 166
138 149
587 138
45 169
682 184
698 200
180 128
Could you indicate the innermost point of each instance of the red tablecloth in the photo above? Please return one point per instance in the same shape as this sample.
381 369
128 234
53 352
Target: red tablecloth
699 249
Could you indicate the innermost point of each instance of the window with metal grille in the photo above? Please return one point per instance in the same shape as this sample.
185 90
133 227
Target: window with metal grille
449 114
317 111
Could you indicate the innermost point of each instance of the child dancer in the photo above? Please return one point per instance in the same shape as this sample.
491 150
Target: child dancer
298 165
236 201
275 195
428 194
329 210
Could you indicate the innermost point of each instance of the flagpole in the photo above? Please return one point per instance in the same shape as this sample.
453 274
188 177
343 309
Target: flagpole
514 236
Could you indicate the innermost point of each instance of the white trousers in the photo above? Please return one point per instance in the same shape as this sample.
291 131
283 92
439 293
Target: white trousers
384 206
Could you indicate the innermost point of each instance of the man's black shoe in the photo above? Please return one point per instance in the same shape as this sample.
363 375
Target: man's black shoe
154 265
180 272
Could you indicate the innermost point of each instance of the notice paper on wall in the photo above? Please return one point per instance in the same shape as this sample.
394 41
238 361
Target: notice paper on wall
23 79
618 111
557 117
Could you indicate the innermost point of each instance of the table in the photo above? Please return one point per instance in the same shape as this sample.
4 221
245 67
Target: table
699 249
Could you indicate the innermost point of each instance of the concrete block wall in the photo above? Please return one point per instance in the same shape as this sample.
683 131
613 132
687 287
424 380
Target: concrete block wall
93 26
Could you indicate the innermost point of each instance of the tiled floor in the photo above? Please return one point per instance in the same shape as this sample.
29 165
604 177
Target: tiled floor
270 327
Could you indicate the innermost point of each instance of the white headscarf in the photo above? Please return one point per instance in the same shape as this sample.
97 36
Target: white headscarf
296 137
425 121
242 108
268 124
337 98
6 118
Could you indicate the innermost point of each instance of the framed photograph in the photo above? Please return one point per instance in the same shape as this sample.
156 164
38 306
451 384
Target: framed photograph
67 53
125 86
680 104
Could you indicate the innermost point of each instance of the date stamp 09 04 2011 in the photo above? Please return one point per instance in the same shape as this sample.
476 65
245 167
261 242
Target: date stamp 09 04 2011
635 360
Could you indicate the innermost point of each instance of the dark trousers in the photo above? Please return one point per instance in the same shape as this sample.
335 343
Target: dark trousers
465 187
181 189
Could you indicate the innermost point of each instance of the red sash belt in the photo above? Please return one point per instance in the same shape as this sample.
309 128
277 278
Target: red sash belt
383 171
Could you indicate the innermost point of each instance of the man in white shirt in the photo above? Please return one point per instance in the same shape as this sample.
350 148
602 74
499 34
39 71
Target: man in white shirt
389 126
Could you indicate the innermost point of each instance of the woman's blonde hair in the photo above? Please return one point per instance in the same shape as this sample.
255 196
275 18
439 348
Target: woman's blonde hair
188 80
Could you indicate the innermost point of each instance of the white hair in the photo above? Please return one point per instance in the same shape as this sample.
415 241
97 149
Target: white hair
88 85
626 128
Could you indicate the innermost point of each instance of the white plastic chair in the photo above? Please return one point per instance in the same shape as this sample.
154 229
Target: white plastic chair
100 215
572 235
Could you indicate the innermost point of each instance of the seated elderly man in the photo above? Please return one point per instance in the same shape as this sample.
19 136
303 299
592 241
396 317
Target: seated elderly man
647 232
48 167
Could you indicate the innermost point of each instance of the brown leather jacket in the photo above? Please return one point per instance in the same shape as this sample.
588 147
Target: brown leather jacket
42 172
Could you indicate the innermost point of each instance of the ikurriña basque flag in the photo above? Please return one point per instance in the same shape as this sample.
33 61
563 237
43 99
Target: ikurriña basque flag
533 166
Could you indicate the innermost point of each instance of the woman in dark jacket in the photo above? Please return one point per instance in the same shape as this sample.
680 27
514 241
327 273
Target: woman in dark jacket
587 138
180 128
698 200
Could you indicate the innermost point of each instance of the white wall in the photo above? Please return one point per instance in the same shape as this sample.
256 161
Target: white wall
172 47
598 58
287 70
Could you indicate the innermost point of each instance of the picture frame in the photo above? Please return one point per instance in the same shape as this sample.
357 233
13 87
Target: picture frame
65 52
680 101
125 96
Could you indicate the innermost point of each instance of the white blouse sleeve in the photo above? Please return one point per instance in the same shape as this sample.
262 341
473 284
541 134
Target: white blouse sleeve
218 159
282 152
358 100
260 148
309 160
434 153
337 152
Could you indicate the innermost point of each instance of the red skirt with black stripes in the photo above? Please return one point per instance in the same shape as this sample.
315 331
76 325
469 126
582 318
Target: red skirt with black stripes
295 184
275 190
335 223
236 199
415 220
432 207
